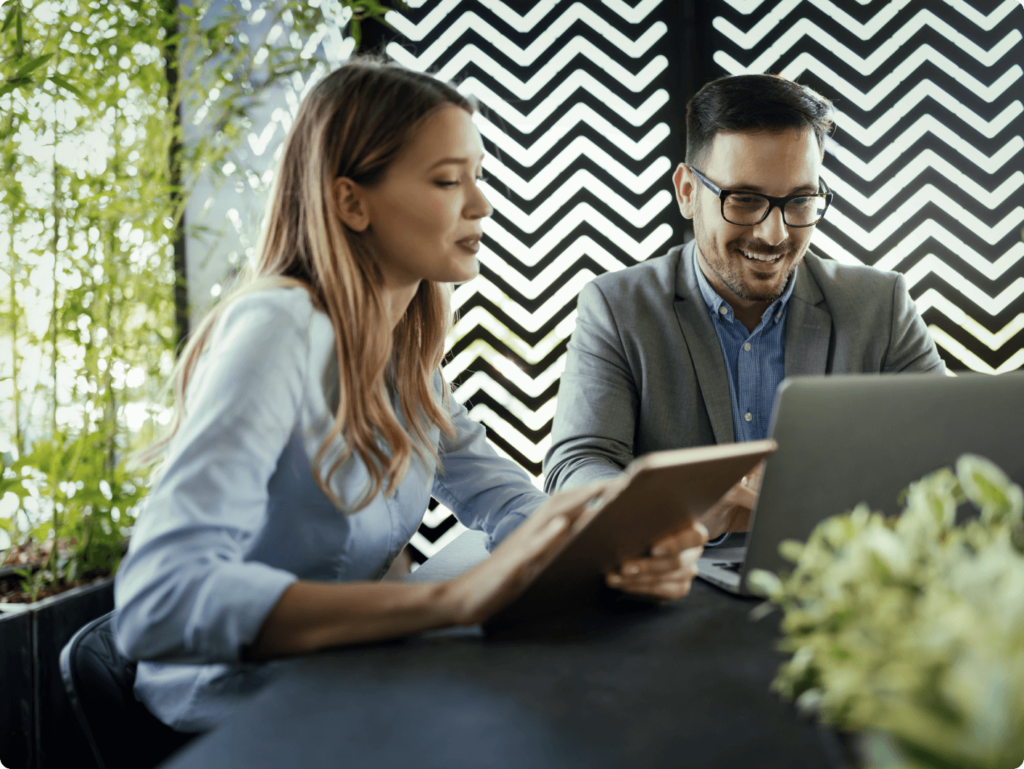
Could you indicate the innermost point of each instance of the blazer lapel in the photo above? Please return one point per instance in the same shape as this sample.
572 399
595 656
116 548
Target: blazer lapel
705 351
808 327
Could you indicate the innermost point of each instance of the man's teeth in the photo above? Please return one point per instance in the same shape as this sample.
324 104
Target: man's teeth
761 257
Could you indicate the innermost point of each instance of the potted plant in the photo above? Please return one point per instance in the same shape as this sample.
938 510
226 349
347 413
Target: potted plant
57 578
909 629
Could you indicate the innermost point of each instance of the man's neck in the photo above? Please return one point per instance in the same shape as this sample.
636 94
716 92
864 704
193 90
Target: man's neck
746 311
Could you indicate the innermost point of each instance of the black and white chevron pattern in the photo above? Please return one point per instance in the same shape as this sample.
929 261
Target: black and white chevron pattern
927 163
582 120
572 115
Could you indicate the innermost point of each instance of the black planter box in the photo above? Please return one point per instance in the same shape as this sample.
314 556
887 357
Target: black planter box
17 701
38 730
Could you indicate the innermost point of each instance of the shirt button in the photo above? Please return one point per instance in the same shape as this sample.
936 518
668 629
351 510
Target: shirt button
748 416
778 315
724 310
747 347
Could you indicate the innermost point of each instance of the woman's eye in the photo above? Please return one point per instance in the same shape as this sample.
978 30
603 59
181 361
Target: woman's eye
481 178
446 182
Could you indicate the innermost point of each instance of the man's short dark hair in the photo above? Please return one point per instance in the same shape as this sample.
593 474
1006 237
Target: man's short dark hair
750 103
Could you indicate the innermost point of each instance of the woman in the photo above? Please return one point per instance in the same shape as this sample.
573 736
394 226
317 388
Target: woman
313 424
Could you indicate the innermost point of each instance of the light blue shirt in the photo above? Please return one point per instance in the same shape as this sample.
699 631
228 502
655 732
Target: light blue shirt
236 515
754 360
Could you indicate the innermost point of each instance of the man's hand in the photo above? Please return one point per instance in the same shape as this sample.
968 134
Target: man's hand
731 514
668 572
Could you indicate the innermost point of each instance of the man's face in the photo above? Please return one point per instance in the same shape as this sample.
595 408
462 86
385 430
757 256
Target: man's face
752 263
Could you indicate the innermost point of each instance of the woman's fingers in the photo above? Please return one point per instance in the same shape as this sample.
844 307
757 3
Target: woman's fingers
651 580
664 564
666 589
661 593
752 480
742 495
690 537
652 572
664 578
665 575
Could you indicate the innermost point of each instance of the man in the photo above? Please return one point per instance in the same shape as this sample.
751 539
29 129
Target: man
689 348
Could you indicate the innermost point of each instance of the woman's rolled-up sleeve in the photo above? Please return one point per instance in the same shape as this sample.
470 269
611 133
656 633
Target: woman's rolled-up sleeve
486 491
185 591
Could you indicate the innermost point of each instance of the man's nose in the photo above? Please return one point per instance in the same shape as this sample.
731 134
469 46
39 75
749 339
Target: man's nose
772 230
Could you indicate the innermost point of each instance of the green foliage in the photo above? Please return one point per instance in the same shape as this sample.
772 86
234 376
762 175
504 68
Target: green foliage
58 479
103 134
911 627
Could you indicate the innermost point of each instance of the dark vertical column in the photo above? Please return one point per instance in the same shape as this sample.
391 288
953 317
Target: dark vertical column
174 153
688 48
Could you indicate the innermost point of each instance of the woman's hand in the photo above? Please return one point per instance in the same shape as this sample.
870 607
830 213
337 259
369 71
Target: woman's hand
667 573
471 598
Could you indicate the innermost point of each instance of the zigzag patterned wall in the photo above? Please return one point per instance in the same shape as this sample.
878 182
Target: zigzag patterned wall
927 166
582 120
573 121
927 162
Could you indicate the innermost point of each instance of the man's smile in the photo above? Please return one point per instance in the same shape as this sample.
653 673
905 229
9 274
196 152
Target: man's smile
765 258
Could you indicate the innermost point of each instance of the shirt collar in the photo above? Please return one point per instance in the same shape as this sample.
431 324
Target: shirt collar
715 303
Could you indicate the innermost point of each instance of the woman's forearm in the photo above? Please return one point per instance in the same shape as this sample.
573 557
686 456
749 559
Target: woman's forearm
317 615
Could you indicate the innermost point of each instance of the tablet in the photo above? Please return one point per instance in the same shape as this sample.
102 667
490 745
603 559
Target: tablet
664 492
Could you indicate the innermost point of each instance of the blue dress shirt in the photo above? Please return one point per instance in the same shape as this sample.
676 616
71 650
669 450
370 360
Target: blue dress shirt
754 360
236 515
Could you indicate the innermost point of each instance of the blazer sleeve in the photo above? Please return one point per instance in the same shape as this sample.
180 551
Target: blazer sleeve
486 491
911 347
593 431
185 592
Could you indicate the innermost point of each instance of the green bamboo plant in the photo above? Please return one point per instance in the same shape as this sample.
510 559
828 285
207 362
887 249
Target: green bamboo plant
109 113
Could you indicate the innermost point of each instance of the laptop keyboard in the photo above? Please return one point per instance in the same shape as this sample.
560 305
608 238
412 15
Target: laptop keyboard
734 566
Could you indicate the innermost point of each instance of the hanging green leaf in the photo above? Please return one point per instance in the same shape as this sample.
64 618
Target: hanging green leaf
33 65
62 83
10 19
19 30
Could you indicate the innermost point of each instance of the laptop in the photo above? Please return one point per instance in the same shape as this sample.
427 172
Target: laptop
848 439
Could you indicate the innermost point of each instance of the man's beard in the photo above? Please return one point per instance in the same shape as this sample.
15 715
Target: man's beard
729 270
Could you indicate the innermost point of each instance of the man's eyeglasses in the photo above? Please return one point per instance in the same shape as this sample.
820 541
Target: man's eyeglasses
749 208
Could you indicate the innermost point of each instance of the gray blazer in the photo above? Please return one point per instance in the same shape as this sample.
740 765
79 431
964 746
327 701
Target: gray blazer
645 370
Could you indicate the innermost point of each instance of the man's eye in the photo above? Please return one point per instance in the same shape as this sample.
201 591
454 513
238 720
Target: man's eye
747 201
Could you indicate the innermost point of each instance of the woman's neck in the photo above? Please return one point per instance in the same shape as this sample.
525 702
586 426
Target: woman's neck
397 300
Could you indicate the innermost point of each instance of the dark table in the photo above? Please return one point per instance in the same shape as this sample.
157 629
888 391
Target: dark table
683 685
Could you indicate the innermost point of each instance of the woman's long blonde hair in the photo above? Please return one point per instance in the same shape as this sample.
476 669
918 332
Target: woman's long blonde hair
353 123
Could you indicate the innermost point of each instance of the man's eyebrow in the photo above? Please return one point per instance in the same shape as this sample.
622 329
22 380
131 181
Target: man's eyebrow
761 190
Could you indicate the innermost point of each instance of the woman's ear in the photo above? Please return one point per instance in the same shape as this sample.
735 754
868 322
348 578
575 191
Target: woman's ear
350 204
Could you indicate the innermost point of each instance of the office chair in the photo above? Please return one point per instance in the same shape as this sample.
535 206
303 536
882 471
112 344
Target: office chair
100 683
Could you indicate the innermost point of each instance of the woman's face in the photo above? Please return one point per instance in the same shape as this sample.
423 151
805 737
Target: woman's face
426 212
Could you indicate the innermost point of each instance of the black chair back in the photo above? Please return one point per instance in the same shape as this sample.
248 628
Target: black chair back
100 683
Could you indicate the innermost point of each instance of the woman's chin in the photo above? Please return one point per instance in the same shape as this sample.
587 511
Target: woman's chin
465 273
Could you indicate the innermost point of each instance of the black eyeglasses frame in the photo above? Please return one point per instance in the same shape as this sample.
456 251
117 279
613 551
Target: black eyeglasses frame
826 193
